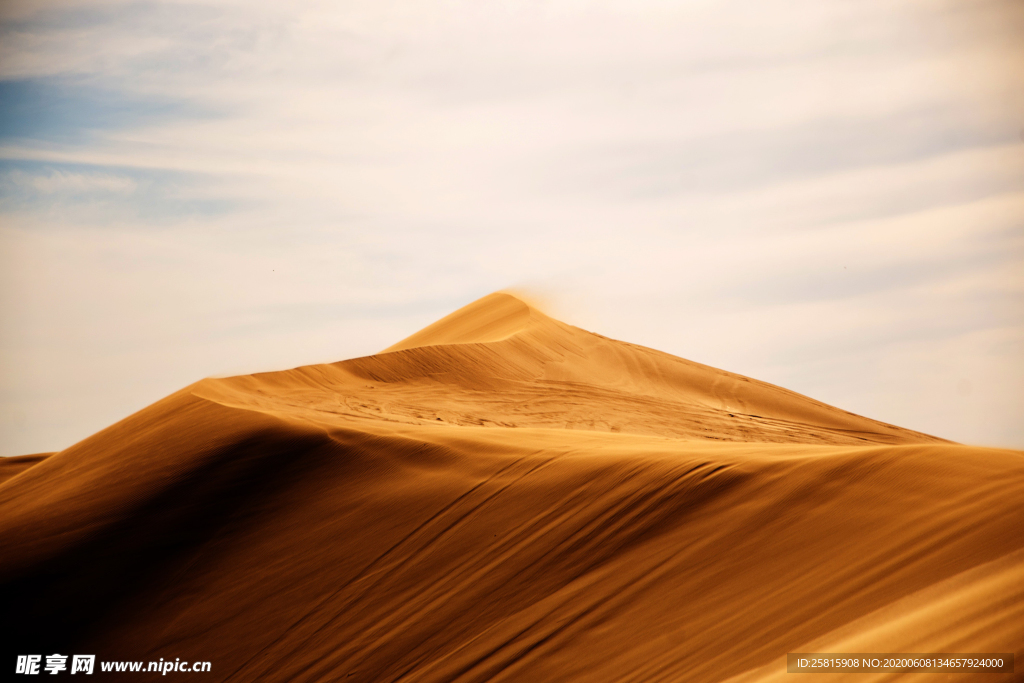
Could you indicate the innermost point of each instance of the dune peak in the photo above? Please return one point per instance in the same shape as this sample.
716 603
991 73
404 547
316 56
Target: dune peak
494 317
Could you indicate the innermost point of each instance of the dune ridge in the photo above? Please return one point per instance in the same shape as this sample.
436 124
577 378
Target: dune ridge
502 496
501 362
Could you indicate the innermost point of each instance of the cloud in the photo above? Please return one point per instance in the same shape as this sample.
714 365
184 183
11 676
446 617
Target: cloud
54 196
824 195
56 182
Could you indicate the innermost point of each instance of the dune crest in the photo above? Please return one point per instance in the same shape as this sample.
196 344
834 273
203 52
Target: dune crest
501 362
504 497
493 318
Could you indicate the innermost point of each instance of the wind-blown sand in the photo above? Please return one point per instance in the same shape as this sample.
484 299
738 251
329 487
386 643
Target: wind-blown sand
503 496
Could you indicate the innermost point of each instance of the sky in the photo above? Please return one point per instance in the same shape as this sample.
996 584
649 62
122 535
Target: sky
827 195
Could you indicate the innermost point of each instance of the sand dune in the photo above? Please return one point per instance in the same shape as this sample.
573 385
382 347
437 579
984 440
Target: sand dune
499 362
503 496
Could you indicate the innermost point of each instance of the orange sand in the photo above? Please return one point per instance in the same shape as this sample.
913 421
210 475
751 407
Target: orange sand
505 497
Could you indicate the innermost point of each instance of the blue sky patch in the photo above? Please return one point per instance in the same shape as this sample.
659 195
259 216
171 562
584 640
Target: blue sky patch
61 110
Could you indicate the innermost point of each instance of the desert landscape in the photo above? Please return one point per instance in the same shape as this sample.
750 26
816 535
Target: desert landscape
505 497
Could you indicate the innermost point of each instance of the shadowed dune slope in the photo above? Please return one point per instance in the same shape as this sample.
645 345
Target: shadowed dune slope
15 465
505 497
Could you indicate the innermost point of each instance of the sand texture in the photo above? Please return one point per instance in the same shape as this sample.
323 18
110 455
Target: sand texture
504 497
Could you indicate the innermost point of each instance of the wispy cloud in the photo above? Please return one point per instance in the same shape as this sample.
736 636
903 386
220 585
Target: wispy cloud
56 196
56 182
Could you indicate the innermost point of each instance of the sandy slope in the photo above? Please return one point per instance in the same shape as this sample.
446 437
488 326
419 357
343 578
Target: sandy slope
505 497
